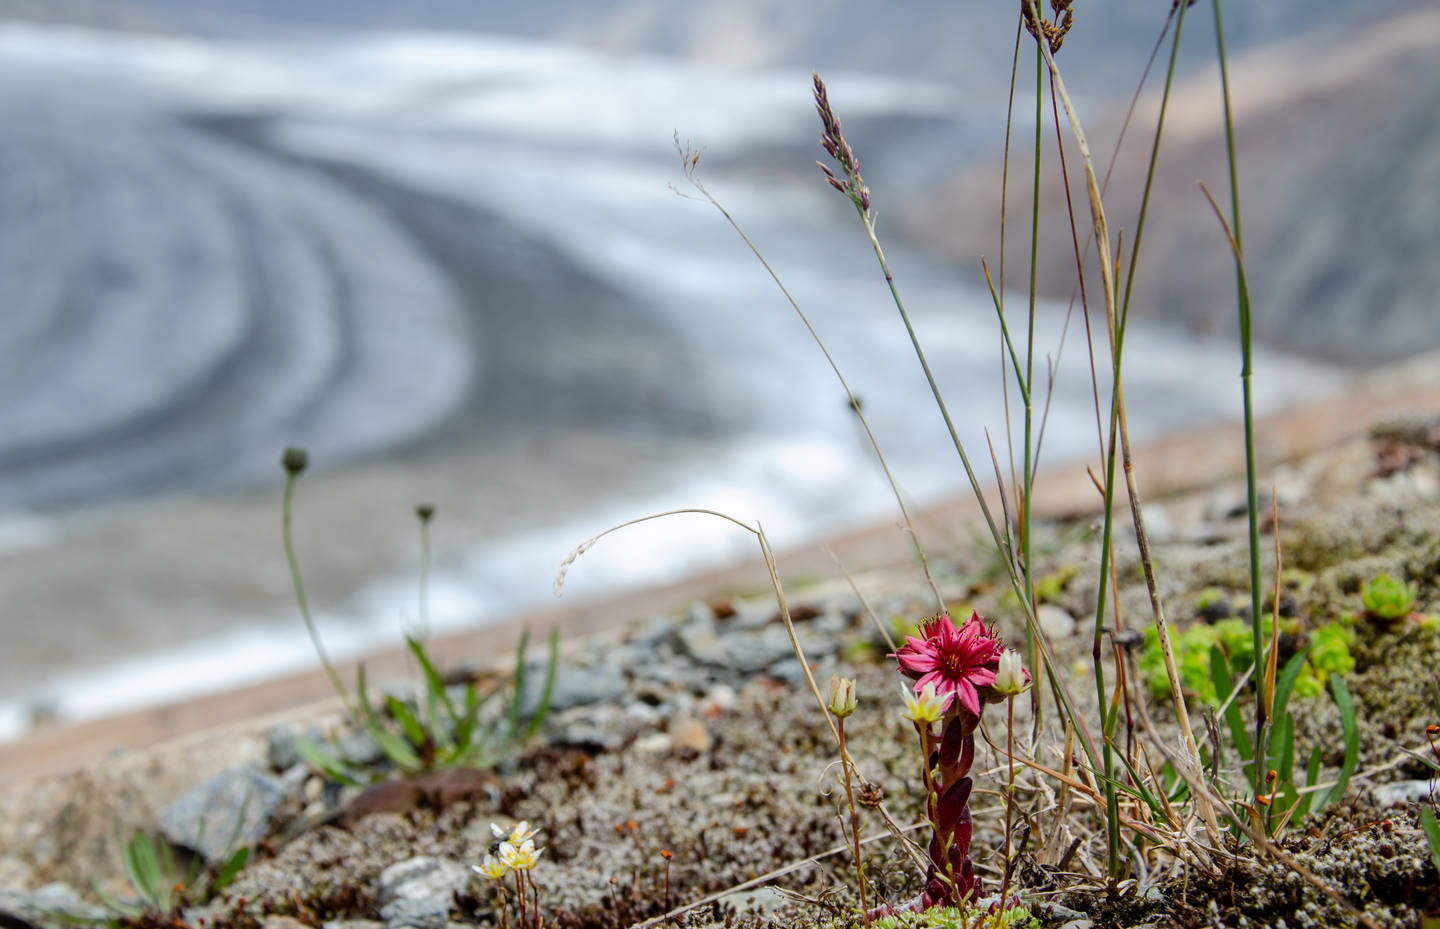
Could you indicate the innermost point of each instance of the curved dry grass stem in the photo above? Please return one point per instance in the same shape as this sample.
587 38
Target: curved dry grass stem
1191 763
768 554
690 161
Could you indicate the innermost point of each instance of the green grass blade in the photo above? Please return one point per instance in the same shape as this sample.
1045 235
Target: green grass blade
543 708
1285 683
230 869
1312 775
143 868
113 904
517 684
1282 748
1432 834
331 767
1352 741
402 715
434 681
1220 676
395 748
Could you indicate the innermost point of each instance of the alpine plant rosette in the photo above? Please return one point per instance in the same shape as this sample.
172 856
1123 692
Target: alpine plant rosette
952 672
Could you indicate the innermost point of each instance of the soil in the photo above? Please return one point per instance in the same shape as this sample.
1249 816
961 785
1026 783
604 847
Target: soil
732 810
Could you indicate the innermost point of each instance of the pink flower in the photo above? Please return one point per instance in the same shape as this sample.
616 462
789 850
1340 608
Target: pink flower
954 661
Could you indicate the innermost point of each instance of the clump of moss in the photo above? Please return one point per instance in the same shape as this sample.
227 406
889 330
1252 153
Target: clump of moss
949 917
1329 652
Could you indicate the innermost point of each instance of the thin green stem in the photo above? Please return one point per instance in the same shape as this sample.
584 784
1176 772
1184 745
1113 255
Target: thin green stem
1262 712
425 514
1028 473
1086 740
294 563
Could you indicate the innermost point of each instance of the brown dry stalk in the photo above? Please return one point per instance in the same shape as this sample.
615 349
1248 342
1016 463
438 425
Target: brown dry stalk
1191 763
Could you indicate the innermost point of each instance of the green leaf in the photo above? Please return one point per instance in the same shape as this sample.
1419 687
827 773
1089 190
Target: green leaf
517 684
1282 748
1220 674
413 730
1352 741
1285 683
1432 833
143 869
551 667
113 904
1312 775
434 681
230 869
395 748
331 767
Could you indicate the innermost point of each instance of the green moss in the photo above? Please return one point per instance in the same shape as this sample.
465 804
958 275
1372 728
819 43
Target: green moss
1329 651
949 917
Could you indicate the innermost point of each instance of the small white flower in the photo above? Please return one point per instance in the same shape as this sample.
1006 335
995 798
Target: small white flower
1011 678
925 707
518 833
520 857
491 867
842 696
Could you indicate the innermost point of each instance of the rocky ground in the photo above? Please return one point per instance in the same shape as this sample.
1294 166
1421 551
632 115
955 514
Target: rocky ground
684 762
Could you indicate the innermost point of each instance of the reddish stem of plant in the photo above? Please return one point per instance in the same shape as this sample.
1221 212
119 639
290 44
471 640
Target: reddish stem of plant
950 880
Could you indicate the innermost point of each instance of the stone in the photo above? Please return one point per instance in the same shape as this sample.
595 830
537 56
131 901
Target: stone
231 809
1054 622
50 901
689 735
359 748
352 924
1398 792
283 922
419 892
280 744
573 687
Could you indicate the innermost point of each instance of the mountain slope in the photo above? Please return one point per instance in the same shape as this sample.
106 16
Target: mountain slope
1339 151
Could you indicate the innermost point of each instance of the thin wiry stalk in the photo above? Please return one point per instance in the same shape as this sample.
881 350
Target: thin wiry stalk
1118 409
1112 808
772 567
1028 474
294 563
690 161
1262 711
1000 299
854 189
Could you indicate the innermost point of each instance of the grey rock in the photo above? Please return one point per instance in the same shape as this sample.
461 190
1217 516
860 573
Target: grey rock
51 901
1055 622
419 892
761 900
1081 923
701 642
1060 911
1400 792
788 671
830 624
573 687
280 742
360 748
232 808
652 634
353 924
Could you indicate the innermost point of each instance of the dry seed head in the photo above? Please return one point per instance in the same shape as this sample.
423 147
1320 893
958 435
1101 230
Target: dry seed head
833 141
1054 31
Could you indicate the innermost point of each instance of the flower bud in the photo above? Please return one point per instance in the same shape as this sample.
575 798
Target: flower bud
1011 678
294 460
842 696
